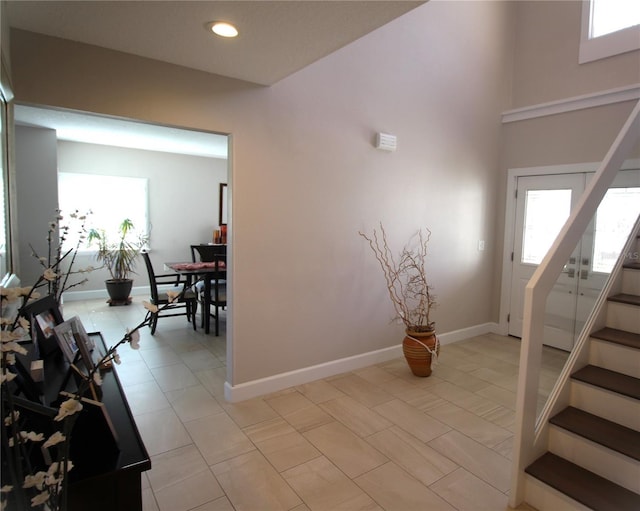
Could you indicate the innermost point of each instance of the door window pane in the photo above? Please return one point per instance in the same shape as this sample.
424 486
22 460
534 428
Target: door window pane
614 219
546 211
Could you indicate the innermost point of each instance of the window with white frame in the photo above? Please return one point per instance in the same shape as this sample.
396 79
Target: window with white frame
609 27
110 199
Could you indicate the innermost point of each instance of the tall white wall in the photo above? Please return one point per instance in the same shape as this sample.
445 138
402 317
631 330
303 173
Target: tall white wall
306 177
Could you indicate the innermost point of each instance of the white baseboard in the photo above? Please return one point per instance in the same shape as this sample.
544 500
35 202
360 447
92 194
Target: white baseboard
95 294
262 386
466 333
282 381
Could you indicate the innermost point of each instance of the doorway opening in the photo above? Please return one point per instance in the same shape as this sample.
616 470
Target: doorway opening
168 143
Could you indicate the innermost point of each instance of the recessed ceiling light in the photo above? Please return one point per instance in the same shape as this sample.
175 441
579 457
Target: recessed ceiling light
222 28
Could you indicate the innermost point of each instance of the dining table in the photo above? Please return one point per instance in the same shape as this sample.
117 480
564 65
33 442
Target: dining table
205 272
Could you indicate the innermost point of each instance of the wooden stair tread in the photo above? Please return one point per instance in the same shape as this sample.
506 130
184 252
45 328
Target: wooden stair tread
584 486
625 298
602 431
610 380
630 339
632 265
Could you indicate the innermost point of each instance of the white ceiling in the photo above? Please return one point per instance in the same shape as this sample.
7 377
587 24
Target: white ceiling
277 38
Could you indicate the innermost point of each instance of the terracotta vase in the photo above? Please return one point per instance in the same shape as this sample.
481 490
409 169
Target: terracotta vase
414 347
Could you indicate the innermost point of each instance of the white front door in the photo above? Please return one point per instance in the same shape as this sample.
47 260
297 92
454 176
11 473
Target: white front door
543 205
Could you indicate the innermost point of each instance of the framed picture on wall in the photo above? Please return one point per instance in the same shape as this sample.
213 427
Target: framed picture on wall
222 217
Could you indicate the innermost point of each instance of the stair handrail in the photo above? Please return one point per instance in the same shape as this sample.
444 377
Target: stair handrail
537 291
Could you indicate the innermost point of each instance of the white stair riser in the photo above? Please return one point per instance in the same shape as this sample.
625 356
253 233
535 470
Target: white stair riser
600 460
631 282
623 316
615 357
608 405
544 498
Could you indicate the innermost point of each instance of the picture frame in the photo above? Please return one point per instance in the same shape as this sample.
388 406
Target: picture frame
223 213
84 343
44 315
66 340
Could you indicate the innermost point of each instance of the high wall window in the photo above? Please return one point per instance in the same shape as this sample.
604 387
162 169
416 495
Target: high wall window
609 27
110 199
609 16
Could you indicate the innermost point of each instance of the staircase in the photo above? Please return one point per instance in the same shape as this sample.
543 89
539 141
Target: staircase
593 457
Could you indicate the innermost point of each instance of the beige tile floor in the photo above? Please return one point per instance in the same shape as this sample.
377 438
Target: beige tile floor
373 439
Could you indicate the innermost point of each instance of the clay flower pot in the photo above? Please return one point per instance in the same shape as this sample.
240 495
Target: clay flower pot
421 350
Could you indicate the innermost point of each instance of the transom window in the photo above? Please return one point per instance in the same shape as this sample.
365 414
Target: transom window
609 16
609 27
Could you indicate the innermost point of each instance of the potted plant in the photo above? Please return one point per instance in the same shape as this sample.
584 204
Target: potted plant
411 295
119 258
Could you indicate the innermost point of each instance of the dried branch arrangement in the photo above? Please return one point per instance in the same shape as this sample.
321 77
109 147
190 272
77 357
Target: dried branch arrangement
409 290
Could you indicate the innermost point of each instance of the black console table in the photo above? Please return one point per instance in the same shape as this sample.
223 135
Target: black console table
106 449
106 478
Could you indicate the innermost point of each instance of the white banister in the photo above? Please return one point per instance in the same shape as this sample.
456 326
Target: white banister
539 287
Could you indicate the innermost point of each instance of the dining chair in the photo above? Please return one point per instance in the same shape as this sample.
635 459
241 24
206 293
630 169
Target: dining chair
218 294
206 253
218 300
186 305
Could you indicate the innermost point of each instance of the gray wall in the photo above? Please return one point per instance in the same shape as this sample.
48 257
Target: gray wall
36 197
